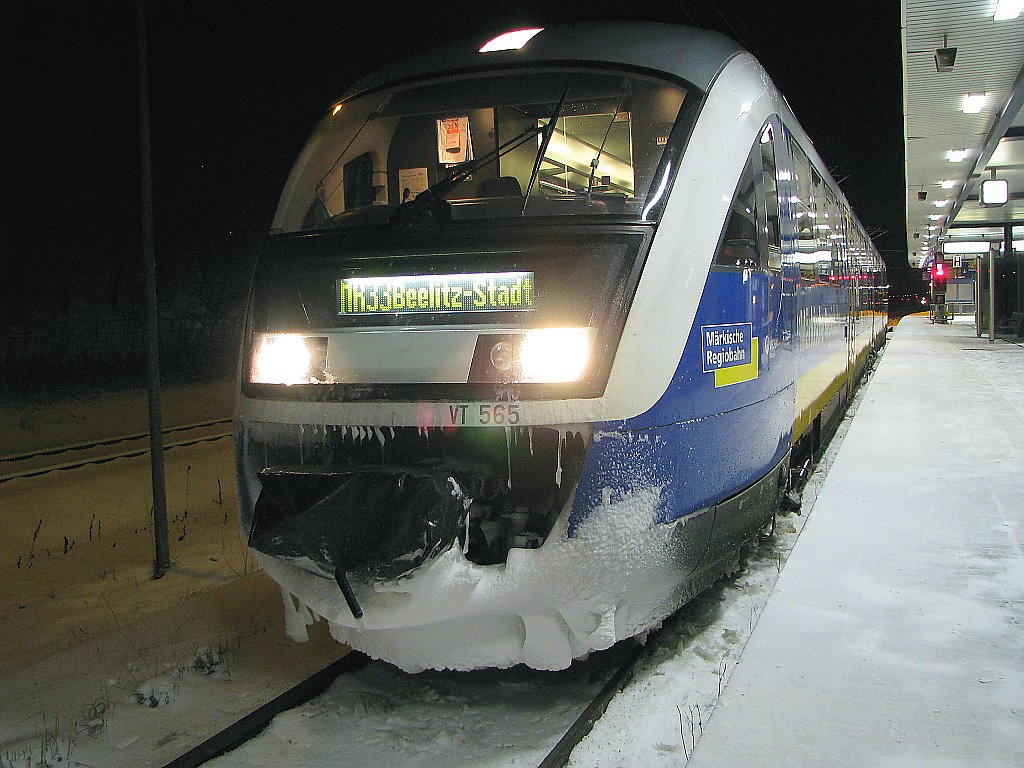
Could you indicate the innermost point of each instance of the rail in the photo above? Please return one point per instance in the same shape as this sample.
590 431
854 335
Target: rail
254 723
43 461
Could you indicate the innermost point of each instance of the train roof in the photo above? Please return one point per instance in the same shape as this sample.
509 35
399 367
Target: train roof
694 55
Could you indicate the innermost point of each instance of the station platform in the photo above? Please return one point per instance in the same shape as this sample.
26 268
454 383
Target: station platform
895 634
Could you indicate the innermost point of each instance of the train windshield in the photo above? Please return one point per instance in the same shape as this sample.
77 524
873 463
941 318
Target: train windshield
495 145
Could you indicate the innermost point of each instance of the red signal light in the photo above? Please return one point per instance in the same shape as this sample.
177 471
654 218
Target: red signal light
939 275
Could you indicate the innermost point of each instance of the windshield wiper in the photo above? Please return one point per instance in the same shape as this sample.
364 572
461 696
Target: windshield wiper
600 150
548 133
429 206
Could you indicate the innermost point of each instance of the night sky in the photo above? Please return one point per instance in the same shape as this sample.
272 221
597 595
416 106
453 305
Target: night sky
236 88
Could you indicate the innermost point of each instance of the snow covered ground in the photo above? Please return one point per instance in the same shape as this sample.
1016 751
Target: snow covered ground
88 640
895 636
51 421
77 550
885 631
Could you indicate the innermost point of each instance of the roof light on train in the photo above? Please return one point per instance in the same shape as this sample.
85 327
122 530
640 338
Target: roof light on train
554 354
510 41
956 155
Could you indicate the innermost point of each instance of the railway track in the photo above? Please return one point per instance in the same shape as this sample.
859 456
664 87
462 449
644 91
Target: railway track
41 462
253 724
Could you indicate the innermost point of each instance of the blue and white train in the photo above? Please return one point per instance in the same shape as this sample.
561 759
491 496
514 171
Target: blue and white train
540 329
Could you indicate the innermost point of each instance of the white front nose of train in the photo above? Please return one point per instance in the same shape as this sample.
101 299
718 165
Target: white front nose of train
428 418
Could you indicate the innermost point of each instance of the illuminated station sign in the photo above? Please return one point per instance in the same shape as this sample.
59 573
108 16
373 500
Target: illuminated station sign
481 292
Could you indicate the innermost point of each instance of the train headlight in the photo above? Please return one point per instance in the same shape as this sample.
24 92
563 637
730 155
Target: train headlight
288 358
554 354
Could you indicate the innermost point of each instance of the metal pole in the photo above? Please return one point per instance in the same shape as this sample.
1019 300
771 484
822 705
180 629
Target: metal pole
977 296
156 440
991 295
1017 262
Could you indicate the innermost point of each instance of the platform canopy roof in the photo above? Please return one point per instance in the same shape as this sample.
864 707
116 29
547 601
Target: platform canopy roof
952 50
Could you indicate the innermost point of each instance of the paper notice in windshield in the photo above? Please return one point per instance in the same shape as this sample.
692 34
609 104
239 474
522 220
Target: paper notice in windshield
411 181
454 143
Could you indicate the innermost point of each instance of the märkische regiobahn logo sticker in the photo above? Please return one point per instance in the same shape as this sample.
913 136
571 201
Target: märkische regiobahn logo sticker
730 352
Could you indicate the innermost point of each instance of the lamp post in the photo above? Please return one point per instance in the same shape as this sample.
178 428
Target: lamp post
162 560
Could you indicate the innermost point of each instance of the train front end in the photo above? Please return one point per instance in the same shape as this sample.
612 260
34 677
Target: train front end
440 330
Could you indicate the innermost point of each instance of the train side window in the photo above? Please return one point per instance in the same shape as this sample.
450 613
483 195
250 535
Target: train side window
837 237
739 244
828 230
821 230
770 187
804 202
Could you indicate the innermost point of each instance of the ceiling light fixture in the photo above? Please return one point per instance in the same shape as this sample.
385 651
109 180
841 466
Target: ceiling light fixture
973 102
945 57
994 192
964 246
956 155
1008 9
948 184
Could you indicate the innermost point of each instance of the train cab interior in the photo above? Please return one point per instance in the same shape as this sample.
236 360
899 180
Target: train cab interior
545 143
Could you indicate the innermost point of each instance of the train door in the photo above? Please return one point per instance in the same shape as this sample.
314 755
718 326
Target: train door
850 275
842 279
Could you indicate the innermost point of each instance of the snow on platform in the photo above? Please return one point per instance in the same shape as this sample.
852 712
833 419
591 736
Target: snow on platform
895 634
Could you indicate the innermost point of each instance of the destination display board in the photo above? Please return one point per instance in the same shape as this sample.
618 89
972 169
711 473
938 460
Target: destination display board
475 292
